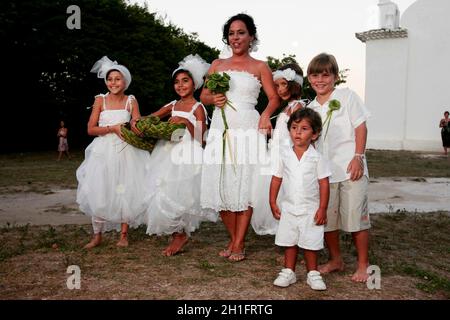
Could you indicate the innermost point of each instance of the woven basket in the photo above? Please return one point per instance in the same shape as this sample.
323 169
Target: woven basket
130 137
152 127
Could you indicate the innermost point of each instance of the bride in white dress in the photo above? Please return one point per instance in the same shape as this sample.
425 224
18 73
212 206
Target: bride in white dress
233 186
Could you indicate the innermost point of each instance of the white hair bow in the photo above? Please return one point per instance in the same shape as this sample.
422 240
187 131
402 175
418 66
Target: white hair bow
196 66
104 65
289 75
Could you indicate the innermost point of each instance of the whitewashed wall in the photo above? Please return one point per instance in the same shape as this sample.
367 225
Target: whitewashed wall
408 80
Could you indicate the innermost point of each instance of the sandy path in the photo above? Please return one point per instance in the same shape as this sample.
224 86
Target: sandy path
385 195
56 208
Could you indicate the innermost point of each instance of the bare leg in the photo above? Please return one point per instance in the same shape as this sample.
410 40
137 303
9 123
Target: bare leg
290 257
242 223
123 242
361 240
229 220
59 156
311 259
335 262
96 240
179 239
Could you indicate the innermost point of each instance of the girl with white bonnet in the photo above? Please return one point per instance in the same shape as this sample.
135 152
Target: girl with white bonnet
173 184
111 177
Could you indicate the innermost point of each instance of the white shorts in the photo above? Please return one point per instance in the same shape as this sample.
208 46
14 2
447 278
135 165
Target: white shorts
299 231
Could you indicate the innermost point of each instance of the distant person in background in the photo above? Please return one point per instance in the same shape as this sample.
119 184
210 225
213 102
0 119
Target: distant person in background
63 146
445 132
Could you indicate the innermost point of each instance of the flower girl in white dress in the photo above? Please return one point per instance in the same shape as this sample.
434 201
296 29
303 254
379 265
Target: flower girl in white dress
173 192
111 177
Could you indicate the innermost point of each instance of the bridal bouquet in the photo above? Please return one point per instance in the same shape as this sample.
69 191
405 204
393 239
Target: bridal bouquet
220 83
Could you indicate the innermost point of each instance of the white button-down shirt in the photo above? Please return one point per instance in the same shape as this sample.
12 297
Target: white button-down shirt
339 145
301 194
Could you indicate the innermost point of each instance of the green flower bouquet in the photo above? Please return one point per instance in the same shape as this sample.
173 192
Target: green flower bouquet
220 83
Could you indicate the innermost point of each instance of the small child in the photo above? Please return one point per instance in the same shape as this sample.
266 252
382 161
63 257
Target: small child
111 177
303 174
344 144
173 185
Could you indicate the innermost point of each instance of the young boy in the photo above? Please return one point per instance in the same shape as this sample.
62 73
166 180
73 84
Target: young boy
303 174
343 143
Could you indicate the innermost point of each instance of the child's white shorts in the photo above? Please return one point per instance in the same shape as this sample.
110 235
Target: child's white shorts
299 230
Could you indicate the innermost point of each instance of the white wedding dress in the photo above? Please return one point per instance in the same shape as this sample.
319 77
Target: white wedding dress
238 177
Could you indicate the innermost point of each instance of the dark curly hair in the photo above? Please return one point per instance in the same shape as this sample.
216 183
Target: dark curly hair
245 18
309 114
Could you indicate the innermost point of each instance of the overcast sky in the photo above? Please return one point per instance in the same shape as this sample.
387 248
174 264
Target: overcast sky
301 27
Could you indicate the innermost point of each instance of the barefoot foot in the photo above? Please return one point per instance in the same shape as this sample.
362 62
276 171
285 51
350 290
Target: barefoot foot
178 242
92 244
331 266
123 242
360 274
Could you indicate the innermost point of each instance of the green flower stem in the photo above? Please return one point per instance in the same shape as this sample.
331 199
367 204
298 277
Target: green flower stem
225 138
231 106
327 122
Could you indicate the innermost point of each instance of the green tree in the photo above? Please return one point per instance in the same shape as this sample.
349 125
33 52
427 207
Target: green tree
47 64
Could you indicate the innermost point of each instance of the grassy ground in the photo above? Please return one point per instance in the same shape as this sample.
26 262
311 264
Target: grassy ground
412 250
39 172
383 163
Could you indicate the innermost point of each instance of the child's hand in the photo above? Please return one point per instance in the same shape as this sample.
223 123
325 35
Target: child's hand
321 217
355 168
219 100
134 128
275 211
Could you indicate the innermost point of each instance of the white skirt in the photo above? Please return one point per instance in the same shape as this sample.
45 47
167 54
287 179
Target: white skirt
110 183
173 188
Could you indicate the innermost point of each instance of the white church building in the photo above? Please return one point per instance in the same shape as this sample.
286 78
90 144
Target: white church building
408 75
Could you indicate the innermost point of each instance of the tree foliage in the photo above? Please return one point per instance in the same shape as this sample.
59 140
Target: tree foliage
47 64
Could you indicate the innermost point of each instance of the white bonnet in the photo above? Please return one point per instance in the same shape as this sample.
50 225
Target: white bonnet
289 75
104 65
196 66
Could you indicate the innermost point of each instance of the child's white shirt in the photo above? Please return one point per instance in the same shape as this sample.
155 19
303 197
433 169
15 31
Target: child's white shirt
339 144
301 194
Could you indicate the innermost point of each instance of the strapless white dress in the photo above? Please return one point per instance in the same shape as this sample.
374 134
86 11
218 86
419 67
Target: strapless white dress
242 180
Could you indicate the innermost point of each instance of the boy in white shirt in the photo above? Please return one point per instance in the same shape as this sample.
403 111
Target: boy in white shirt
343 143
303 174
